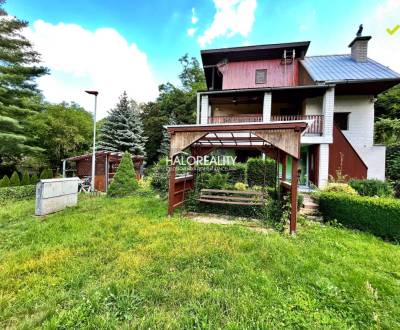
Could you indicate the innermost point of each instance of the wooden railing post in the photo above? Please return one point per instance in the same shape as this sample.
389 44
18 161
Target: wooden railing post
293 197
171 188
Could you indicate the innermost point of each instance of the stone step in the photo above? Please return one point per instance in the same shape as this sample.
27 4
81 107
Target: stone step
309 211
310 205
317 218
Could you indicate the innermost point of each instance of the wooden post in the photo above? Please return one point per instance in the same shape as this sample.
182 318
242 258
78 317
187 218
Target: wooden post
284 167
106 176
293 197
171 188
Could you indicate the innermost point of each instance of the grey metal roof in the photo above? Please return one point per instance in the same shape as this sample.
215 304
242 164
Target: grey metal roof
334 68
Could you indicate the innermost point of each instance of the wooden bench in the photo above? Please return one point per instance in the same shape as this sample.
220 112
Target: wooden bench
234 197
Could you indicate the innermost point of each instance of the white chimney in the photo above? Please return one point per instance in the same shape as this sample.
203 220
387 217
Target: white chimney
359 48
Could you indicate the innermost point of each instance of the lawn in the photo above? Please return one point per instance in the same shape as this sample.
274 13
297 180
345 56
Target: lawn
121 263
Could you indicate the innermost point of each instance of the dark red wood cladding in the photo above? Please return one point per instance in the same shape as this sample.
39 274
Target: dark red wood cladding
343 155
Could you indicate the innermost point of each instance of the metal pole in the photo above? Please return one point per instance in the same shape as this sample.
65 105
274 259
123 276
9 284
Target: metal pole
94 144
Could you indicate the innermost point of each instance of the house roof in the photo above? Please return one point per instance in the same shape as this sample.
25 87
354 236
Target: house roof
339 68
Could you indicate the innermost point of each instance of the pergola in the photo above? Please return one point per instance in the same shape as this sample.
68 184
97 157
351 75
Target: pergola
278 140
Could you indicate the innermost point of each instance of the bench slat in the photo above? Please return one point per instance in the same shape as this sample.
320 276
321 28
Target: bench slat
237 198
226 202
232 192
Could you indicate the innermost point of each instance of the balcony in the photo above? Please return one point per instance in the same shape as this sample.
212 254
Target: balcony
245 118
316 127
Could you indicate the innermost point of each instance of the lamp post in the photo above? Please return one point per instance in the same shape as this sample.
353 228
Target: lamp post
95 93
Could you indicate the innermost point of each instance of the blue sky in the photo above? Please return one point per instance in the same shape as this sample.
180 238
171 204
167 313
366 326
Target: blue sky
159 32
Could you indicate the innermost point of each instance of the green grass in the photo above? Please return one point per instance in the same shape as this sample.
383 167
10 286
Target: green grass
121 263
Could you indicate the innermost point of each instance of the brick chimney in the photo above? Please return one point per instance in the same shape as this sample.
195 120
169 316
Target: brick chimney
359 48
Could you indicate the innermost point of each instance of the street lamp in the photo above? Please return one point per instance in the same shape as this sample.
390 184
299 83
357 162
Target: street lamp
95 93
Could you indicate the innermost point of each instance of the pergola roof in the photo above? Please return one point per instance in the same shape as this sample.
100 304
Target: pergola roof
101 153
282 135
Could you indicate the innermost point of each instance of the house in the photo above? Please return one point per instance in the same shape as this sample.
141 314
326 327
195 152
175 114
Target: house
278 83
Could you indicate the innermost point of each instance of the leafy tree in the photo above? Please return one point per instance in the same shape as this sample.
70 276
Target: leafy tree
18 70
123 130
176 103
25 178
5 182
124 182
34 178
14 180
63 129
387 131
388 104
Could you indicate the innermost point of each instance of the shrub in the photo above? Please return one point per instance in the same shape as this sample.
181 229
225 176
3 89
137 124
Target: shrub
393 162
240 186
237 173
25 178
124 182
217 181
34 179
17 193
14 180
340 188
259 169
300 200
5 181
396 188
379 216
372 187
159 177
46 174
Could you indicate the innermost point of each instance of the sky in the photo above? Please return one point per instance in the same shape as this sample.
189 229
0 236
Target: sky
118 45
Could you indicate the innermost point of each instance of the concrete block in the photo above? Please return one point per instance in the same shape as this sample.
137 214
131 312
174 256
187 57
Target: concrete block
53 195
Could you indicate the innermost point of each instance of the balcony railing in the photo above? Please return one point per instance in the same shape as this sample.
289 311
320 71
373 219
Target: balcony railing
315 128
245 118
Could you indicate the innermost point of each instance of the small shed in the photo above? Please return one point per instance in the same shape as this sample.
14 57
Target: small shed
106 165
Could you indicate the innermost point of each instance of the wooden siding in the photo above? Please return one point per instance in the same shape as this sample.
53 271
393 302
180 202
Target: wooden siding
343 155
243 74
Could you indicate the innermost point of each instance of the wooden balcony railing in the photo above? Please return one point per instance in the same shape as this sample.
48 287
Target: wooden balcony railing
316 127
245 118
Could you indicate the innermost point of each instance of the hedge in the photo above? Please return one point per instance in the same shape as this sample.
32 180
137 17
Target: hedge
259 169
17 193
379 216
372 187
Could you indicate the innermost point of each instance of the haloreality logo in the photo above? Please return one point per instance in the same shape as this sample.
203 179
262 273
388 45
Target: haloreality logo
394 30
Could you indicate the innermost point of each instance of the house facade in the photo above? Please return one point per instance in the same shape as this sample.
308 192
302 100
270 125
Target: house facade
278 83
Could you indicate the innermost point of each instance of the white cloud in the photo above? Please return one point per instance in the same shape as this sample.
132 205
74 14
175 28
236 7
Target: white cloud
80 59
383 47
191 32
232 17
194 18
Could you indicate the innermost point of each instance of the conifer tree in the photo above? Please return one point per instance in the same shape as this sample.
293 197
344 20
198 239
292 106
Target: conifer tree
14 180
18 70
25 178
4 182
34 178
124 182
165 142
123 130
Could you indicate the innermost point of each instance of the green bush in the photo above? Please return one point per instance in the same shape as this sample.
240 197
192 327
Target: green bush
260 172
124 182
393 162
236 173
372 187
396 188
17 193
379 216
240 186
4 182
14 180
34 179
46 174
25 178
340 188
159 177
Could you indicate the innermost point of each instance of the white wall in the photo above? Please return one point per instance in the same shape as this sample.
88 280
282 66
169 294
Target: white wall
360 132
204 109
312 106
267 107
323 171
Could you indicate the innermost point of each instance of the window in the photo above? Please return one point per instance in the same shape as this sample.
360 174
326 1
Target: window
341 120
261 76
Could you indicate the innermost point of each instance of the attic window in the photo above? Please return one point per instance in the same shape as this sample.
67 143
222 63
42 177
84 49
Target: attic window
261 76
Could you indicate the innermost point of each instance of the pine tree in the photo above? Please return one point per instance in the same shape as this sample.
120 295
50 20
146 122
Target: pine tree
25 178
4 182
18 70
124 182
123 130
14 180
165 142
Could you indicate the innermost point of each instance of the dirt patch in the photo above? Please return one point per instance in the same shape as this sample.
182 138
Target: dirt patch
208 218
